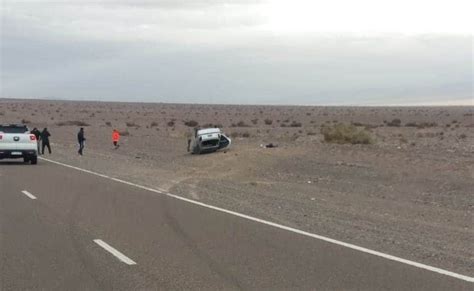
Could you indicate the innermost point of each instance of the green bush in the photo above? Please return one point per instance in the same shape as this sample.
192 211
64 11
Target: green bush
345 134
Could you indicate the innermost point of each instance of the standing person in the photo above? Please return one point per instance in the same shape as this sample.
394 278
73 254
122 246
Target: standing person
81 139
37 134
45 140
116 138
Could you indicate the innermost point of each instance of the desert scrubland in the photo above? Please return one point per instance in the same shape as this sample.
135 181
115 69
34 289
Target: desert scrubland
401 183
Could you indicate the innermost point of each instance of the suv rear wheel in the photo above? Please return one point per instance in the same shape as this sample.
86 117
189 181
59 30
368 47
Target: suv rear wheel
34 160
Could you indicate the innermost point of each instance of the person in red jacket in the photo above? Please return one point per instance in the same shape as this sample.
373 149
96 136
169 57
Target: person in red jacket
116 138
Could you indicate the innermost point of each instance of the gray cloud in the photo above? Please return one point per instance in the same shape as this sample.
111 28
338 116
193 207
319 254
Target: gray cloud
179 4
145 55
156 4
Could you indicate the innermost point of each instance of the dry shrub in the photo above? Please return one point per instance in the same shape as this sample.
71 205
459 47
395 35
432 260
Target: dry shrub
370 126
421 124
366 126
238 134
108 123
154 124
240 124
72 123
191 123
170 123
427 124
295 124
345 134
212 125
131 124
395 122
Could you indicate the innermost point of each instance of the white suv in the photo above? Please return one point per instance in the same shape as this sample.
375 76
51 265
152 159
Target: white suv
208 140
17 142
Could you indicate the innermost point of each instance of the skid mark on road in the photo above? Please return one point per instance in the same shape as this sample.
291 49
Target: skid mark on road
280 226
217 268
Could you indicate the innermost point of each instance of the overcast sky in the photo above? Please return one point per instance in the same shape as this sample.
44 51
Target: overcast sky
364 52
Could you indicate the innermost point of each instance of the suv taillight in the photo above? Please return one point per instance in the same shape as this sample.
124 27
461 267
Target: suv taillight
32 137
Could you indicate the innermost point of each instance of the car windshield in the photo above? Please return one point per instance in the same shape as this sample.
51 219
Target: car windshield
13 129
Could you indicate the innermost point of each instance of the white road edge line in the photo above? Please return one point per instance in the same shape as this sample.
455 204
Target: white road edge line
31 196
276 225
115 252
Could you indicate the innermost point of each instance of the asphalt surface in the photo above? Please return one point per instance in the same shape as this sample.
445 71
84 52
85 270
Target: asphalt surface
48 243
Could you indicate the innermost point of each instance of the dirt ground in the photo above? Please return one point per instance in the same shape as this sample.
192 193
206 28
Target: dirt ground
410 194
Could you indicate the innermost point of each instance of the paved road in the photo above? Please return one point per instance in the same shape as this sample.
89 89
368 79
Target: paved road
49 243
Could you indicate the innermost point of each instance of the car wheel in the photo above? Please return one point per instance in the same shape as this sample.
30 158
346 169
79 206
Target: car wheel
26 160
34 160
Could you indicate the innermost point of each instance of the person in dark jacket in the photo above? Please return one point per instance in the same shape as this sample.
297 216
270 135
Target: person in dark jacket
37 134
45 140
81 139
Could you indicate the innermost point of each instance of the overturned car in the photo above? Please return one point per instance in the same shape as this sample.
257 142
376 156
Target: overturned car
208 140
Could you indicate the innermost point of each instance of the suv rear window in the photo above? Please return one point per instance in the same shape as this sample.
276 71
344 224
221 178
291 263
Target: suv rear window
13 129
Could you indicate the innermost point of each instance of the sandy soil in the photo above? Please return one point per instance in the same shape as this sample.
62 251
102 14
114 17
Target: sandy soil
410 194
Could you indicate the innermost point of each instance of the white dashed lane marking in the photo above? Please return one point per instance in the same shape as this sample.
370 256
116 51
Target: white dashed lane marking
115 252
31 196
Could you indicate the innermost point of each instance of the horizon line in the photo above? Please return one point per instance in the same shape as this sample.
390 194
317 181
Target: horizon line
427 104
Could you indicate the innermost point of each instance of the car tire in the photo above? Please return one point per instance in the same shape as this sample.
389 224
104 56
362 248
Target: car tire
26 160
34 160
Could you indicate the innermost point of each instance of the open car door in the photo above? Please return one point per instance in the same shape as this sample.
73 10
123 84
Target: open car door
224 142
